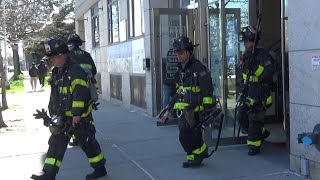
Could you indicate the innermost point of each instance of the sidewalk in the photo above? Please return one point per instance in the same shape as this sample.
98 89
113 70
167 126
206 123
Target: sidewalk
135 149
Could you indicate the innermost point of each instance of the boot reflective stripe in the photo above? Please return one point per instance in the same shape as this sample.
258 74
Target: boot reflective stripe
264 130
200 150
190 157
53 162
96 159
77 104
259 71
73 136
254 143
91 122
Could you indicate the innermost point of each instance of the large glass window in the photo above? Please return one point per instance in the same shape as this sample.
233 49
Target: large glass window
95 26
114 19
136 18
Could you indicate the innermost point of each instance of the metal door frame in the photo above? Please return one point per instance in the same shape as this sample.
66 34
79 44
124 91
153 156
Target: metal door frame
156 49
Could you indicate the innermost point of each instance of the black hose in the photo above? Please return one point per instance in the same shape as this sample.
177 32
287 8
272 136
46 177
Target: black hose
219 135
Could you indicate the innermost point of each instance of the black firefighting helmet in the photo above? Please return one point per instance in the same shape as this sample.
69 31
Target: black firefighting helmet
55 46
248 33
75 38
182 43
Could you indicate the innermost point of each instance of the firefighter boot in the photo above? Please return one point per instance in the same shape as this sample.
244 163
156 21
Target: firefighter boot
197 159
97 173
192 163
44 176
253 151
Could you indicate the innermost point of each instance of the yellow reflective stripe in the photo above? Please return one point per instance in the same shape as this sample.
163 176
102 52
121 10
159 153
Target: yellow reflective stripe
86 66
69 113
200 150
244 76
180 105
78 82
96 159
63 90
73 136
190 157
259 71
78 104
53 162
251 100
269 100
263 130
199 108
251 79
91 122
207 100
254 143
193 88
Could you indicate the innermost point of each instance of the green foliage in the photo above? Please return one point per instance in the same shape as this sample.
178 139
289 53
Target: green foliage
16 85
58 27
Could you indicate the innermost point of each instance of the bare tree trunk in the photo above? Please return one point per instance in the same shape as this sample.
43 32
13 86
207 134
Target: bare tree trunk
2 124
3 84
16 62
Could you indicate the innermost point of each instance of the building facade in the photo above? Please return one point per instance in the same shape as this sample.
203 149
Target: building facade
130 42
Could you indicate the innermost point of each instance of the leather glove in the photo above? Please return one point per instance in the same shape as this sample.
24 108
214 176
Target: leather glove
42 115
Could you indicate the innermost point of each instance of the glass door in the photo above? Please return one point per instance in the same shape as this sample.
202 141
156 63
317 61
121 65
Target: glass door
218 66
168 24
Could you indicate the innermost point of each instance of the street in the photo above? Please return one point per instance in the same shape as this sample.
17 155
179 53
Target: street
135 148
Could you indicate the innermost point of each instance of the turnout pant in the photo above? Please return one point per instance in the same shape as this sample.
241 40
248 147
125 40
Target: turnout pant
191 140
85 134
251 120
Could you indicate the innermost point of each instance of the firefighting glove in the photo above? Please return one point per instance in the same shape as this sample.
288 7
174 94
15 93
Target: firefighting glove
42 115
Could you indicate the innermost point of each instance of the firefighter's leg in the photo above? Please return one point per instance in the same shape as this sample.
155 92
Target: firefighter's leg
255 137
242 117
89 144
57 147
191 141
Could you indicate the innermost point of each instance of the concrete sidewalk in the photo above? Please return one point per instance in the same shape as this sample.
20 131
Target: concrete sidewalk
135 149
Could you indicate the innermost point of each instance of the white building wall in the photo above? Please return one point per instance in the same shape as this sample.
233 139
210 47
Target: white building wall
304 41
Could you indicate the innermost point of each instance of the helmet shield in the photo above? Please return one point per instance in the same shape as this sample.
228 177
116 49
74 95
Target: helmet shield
55 47
182 43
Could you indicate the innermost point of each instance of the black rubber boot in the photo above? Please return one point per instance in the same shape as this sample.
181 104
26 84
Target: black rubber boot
44 176
97 173
74 143
253 151
192 163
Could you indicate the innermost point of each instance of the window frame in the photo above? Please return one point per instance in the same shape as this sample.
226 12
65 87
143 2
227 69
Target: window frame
95 25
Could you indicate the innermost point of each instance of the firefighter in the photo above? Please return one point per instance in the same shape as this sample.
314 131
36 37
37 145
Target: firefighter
194 85
255 93
80 56
84 59
69 101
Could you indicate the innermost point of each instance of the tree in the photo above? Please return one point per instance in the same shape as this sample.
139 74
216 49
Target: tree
20 19
3 87
60 25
